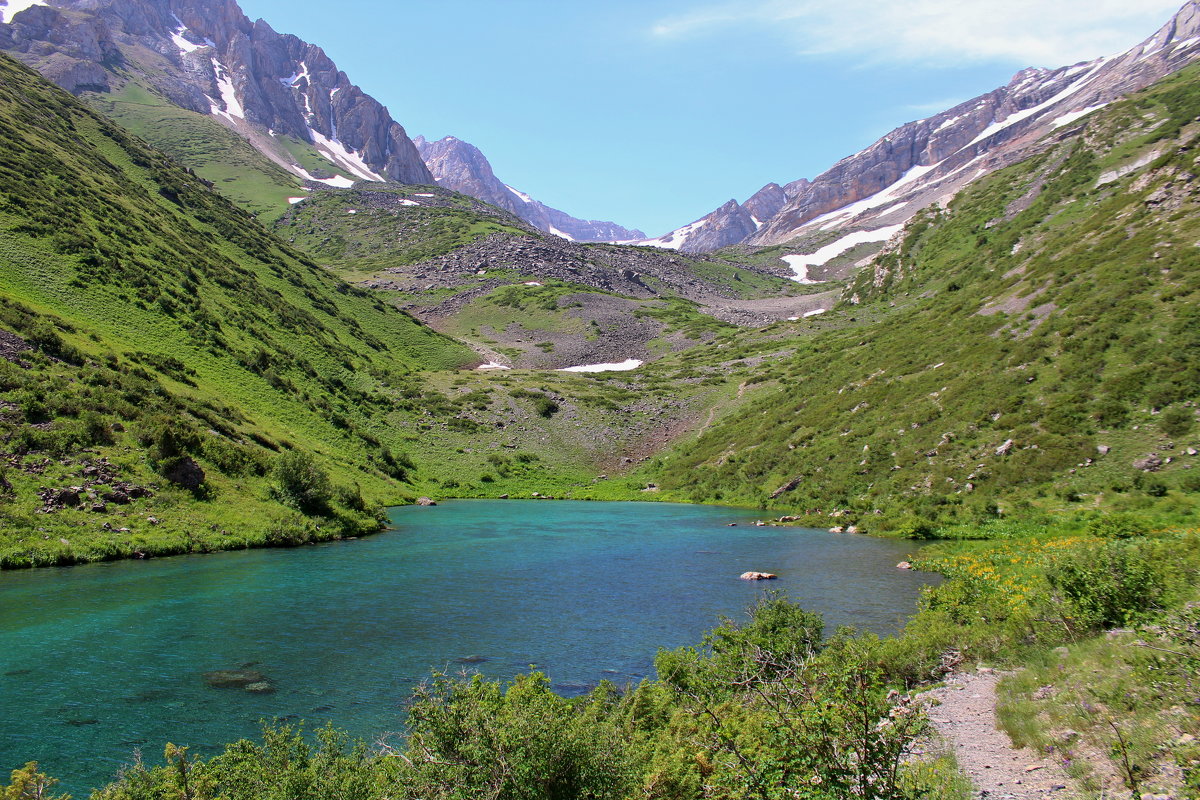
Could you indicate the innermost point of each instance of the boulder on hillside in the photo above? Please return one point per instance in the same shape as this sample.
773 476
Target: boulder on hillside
1151 463
787 487
185 473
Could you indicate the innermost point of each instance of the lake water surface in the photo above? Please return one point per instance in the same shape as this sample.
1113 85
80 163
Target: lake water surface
100 660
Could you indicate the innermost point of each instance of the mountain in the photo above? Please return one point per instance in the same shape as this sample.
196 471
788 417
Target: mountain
1032 347
460 166
922 163
730 224
176 378
274 89
264 115
147 63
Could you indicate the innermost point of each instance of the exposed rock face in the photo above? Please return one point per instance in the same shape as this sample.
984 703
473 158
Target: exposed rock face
622 270
461 166
930 160
730 224
206 56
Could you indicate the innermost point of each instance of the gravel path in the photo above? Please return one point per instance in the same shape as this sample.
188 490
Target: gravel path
966 720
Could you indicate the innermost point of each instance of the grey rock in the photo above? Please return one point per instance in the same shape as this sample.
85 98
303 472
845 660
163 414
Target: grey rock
1151 463
90 45
185 473
943 144
460 166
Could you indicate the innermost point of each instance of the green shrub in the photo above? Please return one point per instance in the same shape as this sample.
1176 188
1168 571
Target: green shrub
1177 421
1119 525
302 484
1113 585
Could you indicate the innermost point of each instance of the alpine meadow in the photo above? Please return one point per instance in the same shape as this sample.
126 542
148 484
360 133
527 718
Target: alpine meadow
242 310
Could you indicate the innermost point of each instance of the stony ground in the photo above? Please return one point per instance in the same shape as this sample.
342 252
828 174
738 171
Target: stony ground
965 718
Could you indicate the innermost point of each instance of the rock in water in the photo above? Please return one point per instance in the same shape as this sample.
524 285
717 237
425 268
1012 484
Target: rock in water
758 576
260 687
234 678
425 501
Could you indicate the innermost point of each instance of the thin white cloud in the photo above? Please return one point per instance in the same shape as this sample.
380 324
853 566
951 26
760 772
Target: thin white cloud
934 106
1024 32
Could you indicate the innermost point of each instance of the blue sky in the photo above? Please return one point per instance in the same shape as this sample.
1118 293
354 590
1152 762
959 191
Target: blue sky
651 113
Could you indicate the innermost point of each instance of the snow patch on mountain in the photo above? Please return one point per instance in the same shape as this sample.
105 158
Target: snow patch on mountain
1067 119
886 195
800 263
1013 119
676 238
621 366
343 156
524 197
185 46
337 181
233 109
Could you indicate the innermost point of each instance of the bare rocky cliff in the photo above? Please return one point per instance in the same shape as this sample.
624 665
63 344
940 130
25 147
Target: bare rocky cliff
930 160
460 166
210 58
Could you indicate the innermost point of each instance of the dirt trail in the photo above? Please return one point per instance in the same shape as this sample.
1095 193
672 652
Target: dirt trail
966 720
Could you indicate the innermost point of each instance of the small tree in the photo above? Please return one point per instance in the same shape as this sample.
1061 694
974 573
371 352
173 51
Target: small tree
29 784
302 484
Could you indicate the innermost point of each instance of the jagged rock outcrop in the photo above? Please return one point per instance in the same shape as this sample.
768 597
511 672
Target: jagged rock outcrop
460 166
628 271
210 58
930 160
730 224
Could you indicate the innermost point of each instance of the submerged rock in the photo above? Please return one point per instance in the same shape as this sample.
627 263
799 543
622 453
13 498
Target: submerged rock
234 678
261 687
471 659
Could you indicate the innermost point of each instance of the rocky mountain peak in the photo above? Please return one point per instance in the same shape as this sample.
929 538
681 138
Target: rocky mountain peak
210 58
928 161
461 166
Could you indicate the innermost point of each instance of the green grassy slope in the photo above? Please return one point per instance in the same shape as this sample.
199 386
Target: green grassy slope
205 146
1054 305
152 304
392 225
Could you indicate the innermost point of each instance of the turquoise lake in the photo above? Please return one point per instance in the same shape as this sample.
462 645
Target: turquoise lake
101 660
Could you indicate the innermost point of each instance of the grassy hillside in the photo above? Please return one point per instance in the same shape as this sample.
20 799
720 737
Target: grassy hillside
161 323
163 355
363 231
1020 350
203 145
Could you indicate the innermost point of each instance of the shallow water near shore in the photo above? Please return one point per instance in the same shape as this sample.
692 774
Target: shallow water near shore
100 660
